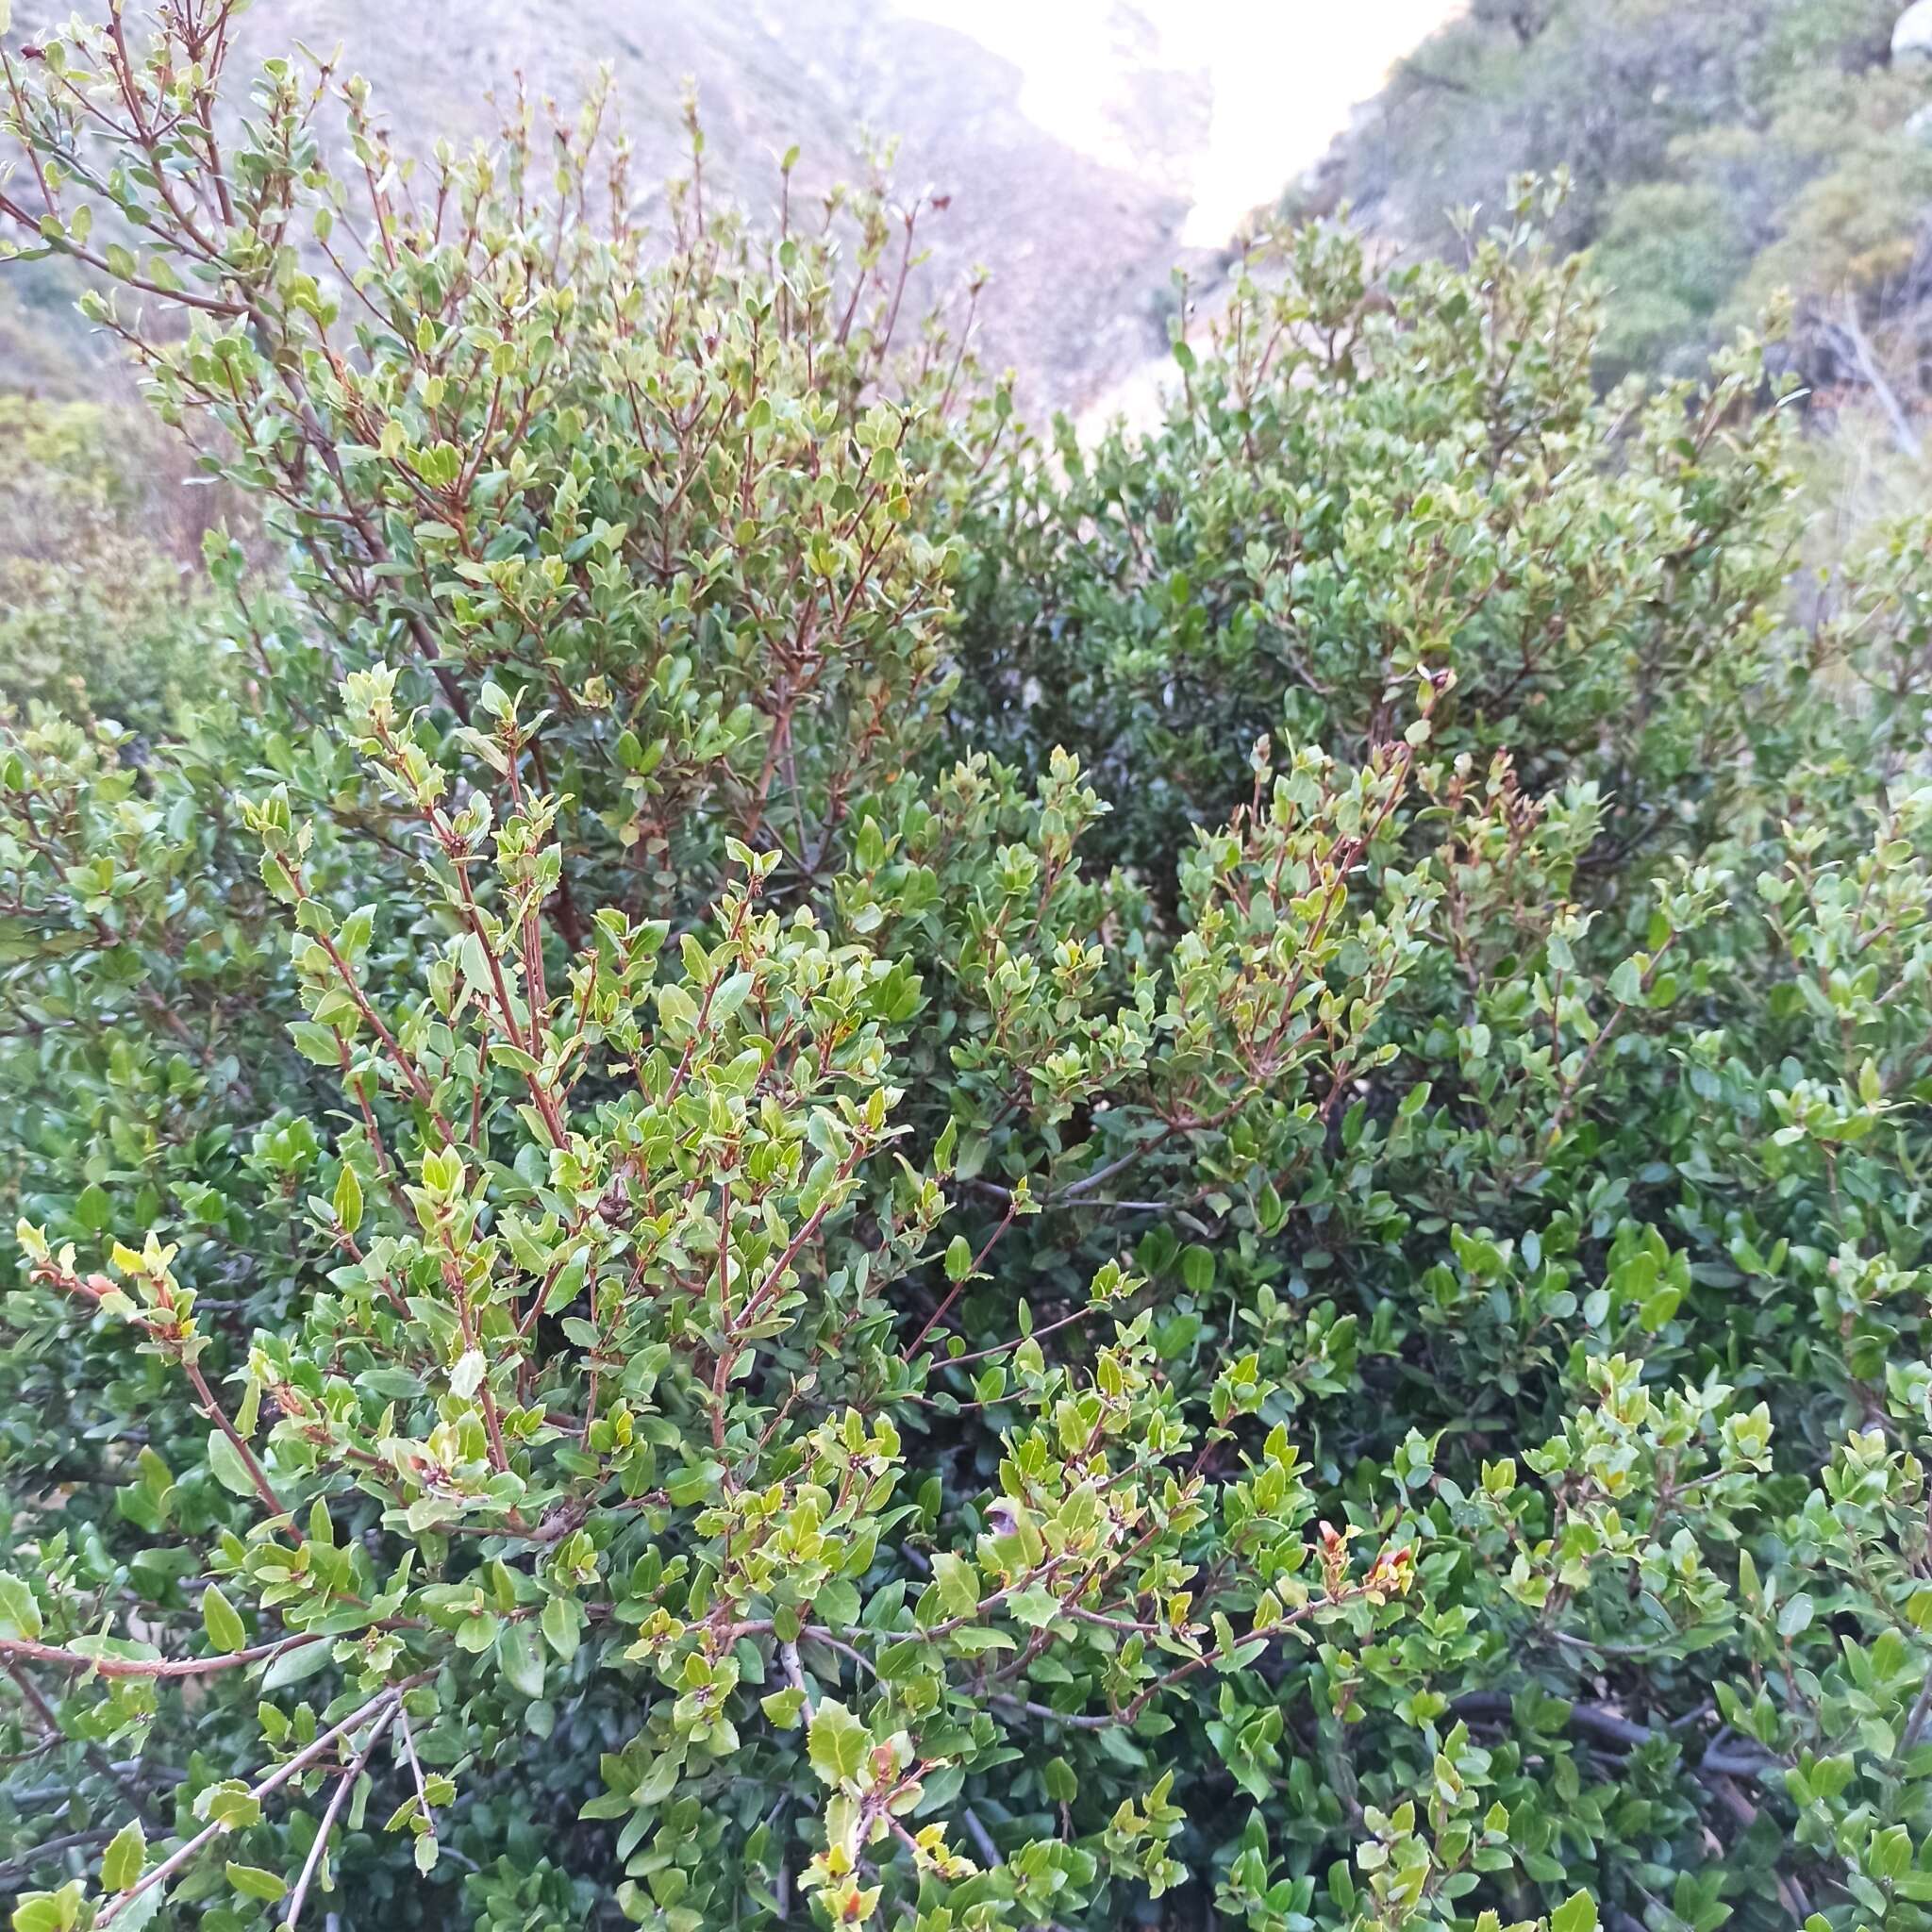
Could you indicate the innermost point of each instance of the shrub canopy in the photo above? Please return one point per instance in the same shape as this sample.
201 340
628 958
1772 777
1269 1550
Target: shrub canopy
798 1163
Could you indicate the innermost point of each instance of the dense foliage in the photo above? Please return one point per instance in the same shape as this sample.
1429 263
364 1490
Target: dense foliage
789 1164
97 592
1719 153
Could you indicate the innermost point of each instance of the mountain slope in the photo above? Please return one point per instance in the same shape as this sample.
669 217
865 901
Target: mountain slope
1083 152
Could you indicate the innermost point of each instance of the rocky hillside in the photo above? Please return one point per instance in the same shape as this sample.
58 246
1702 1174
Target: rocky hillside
1720 154
1083 149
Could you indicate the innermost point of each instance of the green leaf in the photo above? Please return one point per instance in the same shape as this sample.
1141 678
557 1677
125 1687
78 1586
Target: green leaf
783 1706
474 957
837 1604
837 1744
1659 1308
1795 1617
20 1611
251 1881
958 1259
230 1804
225 1460
142 1909
730 996
318 1043
1889 1854
292 1666
1034 1605
958 1583
568 1285
348 1201
223 1622
125 1857
562 1625
45 1911
1578 1913
523 1663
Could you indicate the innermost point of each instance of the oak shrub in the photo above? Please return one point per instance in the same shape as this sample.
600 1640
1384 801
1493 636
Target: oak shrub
800 1165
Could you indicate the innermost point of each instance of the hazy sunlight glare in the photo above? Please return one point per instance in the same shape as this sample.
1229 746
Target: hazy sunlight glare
1281 78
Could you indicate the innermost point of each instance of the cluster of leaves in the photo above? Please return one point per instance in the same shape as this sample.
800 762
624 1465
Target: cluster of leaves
663 1277
1366 484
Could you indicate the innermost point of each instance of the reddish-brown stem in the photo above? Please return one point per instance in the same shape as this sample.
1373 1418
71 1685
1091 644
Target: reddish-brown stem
215 1412
953 1293
80 1663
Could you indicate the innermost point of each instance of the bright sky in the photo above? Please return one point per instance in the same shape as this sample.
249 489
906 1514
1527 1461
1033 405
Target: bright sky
1284 75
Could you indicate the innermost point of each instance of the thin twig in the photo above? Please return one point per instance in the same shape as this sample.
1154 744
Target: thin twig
794 1675
149 1667
392 1696
311 1864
